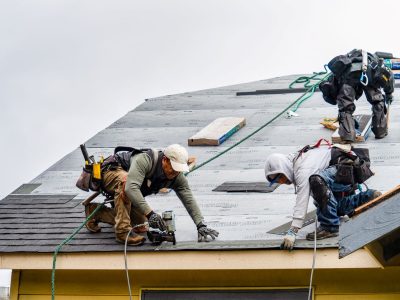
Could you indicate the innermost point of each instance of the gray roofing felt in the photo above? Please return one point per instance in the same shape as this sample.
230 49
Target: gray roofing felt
40 214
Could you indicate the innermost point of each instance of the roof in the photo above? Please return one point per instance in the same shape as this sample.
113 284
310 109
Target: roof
39 215
380 223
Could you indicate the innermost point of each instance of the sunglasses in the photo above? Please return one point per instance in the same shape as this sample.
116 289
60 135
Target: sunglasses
274 180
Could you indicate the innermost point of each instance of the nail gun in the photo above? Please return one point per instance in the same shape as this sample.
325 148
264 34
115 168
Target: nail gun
157 236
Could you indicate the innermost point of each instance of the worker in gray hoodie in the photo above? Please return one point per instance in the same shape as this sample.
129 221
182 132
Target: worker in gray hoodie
311 174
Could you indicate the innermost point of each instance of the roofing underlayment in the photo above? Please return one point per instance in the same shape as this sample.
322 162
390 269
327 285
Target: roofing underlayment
39 215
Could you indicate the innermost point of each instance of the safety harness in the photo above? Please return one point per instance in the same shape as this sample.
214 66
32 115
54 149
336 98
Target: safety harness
353 165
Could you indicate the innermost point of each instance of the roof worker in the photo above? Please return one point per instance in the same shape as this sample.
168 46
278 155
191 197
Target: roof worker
130 176
313 171
352 74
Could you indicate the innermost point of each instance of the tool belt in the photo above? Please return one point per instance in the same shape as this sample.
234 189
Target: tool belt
87 181
330 89
339 195
352 168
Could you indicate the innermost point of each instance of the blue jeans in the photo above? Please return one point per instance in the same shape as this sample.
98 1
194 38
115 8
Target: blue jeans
339 205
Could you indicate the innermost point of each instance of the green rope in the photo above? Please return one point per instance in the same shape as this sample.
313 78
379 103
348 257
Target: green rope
302 98
307 79
308 84
310 91
58 248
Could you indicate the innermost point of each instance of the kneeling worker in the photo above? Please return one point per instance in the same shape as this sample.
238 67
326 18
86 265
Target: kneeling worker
313 172
130 176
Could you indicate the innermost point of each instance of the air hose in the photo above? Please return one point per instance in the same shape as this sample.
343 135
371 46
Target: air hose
69 238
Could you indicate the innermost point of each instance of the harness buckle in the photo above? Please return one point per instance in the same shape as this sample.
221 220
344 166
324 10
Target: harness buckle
364 78
290 114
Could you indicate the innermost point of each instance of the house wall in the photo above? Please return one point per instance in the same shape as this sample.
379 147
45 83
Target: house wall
328 283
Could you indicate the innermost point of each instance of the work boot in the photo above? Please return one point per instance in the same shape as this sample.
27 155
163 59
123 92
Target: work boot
375 194
321 234
133 240
92 224
378 137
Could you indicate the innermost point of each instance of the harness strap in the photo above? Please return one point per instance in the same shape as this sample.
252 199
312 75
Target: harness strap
320 142
308 147
154 154
364 61
364 76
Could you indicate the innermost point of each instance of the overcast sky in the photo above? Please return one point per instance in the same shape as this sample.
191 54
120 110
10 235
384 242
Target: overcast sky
70 68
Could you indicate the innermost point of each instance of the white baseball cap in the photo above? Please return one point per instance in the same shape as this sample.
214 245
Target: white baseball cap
178 157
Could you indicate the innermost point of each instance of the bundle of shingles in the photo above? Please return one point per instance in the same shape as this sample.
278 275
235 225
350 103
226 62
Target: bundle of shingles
394 65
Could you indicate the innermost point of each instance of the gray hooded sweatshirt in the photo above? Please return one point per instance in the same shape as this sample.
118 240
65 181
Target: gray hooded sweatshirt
298 172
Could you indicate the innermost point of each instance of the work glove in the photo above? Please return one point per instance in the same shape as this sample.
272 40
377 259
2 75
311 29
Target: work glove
389 99
203 232
156 221
289 239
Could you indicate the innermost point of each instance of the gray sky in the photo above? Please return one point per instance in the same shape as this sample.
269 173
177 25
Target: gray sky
70 68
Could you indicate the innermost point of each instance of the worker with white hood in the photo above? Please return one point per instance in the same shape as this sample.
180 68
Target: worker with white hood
311 172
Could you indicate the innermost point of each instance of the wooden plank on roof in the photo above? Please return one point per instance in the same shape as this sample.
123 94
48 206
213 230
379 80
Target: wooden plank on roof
377 200
217 132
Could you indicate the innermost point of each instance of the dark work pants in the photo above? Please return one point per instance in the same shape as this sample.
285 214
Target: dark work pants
345 100
346 106
379 120
328 217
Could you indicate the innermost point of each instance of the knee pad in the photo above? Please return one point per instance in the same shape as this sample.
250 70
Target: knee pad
319 190
379 121
350 108
347 129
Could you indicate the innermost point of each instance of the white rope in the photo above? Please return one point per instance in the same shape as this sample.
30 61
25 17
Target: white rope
125 257
126 264
314 257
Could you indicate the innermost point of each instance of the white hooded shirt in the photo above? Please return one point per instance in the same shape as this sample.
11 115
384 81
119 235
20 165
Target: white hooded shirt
309 163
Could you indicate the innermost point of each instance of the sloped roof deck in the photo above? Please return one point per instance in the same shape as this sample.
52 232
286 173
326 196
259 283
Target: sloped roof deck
39 215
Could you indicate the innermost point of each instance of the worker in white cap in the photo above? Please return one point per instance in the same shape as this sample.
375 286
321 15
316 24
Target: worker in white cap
130 176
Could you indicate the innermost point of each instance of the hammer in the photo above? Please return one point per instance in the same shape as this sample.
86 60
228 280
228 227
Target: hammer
90 198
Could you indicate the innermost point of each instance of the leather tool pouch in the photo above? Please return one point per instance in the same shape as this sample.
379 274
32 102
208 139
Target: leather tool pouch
329 89
86 181
344 174
83 182
351 168
362 171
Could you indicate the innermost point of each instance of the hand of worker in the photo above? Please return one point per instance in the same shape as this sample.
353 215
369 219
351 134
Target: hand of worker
156 221
289 239
389 99
203 232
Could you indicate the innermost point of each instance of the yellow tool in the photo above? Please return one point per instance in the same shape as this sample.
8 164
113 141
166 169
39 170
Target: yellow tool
97 171
90 163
